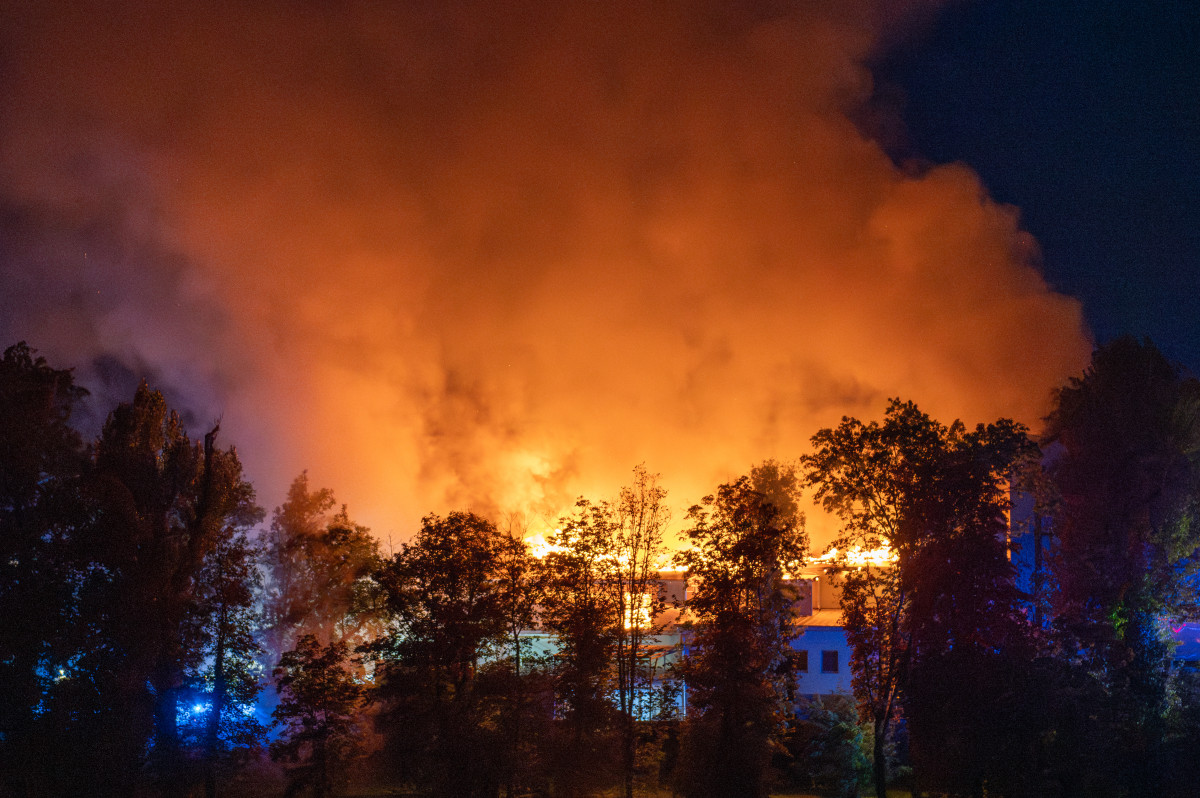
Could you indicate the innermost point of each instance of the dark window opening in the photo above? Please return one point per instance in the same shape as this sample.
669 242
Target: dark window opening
800 659
829 662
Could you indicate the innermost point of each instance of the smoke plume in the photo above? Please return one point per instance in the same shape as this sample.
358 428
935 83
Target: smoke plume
493 255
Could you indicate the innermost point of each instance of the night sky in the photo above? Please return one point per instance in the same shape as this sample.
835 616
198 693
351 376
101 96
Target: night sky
1085 115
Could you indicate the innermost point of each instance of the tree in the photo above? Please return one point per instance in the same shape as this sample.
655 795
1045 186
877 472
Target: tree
936 496
742 547
639 524
296 526
520 587
447 603
581 610
971 641
826 747
319 709
862 473
873 605
105 553
1128 539
41 460
159 505
320 565
227 621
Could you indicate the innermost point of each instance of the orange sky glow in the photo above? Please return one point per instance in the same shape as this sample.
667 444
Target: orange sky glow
492 256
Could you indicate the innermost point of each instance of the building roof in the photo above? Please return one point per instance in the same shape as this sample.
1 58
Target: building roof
820 618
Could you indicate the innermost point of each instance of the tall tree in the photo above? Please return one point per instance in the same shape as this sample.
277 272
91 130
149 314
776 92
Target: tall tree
226 627
742 547
319 710
936 497
446 600
1128 538
319 564
108 556
520 589
971 641
581 609
162 505
296 525
639 525
41 459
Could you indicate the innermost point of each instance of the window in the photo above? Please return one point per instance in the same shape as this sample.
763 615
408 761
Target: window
800 660
829 662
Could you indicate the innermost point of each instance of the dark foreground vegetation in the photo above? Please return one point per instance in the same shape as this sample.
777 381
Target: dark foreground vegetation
159 636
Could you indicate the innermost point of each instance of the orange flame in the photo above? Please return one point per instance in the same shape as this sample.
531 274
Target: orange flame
857 557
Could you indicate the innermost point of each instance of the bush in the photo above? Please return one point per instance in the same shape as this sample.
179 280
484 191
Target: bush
827 749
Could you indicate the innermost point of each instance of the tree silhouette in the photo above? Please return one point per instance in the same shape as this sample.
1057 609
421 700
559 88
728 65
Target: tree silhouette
319 564
41 460
640 518
580 608
741 605
228 620
318 710
520 586
447 600
937 497
161 505
1128 533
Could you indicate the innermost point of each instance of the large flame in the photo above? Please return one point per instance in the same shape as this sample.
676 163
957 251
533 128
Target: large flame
540 547
543 544
491 256
858 557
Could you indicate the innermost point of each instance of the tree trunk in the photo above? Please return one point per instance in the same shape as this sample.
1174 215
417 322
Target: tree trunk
203 507
629 755
880 763
166 730
214 712
1037 569
517 707
320 768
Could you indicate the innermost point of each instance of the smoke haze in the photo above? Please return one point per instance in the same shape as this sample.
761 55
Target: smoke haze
493 255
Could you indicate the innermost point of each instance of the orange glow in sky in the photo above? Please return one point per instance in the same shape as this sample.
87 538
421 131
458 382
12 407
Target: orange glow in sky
492 256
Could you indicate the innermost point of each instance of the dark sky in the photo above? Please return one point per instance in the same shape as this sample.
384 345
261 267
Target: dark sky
1085 115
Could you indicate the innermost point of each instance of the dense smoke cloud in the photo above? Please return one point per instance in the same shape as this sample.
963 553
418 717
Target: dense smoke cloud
494 255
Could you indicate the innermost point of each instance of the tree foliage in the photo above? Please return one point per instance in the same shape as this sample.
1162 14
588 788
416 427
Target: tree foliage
742 547
1130 436
519 673
319 711
936 496
135 601
161 505
580 607
826 748
104 603
320 565
1129 545
41 463
449 598
640 518
228 677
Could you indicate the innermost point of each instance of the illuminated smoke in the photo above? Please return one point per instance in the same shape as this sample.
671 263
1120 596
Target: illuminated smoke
494 255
